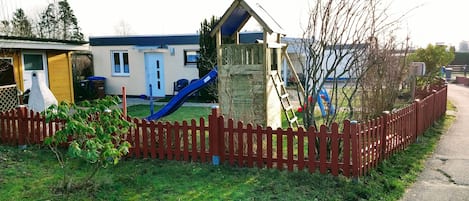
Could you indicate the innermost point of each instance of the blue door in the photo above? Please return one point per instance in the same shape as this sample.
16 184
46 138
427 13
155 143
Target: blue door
154 74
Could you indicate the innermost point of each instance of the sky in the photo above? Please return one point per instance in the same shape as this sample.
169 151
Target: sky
426 21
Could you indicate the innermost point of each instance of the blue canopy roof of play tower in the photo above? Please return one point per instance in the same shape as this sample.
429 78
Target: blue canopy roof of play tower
239 13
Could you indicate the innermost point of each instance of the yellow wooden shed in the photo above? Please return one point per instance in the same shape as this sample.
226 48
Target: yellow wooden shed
51 58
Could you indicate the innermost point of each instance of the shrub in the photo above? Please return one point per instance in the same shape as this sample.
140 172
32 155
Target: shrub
94 133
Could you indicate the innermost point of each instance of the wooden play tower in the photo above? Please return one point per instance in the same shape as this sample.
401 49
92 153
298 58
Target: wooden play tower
250 87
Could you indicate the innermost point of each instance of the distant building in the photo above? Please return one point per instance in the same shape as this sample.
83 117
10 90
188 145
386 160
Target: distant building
463 46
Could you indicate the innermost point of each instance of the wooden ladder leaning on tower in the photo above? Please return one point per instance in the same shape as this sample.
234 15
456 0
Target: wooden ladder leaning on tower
282 92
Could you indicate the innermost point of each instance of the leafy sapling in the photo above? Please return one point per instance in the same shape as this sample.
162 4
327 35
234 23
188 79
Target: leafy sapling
93 132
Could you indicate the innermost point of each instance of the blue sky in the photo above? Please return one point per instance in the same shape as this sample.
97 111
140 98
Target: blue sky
432 21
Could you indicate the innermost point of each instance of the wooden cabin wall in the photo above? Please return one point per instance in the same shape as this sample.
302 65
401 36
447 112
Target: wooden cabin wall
60 76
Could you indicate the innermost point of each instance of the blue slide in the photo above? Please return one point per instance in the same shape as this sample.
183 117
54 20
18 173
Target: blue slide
324 96
185 93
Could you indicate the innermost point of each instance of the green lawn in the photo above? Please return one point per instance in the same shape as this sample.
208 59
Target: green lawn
33 174
183 113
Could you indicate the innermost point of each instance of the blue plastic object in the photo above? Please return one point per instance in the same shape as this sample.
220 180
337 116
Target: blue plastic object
324 96
95 78
185 93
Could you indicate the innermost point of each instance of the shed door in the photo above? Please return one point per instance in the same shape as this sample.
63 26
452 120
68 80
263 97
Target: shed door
154 74
34 61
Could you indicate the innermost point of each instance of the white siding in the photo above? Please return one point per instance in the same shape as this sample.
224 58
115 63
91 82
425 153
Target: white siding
175 69
135 82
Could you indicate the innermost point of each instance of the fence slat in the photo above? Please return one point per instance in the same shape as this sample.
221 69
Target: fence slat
231 141
347 149
259 152
153 144
279 156
290 145
177 141
269 153
185 140
311 149
335 149
323 149
203 148
194 139
301 148
250 150
240 142
3 127
161 141
137 139
145 138
169 135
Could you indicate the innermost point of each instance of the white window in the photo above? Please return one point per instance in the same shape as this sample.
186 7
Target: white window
34 62
120 63
191 57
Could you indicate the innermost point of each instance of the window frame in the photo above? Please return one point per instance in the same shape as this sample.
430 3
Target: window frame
186 60
43 58
121 60
7 58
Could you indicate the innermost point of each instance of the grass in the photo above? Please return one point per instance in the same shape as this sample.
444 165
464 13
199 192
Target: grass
183 113
186 113
33 174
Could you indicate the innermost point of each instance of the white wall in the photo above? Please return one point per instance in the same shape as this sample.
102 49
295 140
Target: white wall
135 83
175 68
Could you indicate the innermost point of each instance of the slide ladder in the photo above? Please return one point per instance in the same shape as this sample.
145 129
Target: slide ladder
283 95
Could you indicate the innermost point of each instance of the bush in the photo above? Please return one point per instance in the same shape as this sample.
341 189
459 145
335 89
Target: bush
94 133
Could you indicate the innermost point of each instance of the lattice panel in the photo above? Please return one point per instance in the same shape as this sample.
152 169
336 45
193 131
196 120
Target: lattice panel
8 97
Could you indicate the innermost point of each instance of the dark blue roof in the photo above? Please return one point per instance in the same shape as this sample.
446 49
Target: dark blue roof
239 13
162 41
144 40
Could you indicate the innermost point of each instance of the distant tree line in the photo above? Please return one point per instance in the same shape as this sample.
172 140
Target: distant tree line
56 21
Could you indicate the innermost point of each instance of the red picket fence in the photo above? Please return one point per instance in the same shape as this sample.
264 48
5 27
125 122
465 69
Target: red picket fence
351 151
21 126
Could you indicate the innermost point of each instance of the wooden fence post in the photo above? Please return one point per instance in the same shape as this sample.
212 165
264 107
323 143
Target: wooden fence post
417 119
22 113
434 107
213 134
445 98
384 134
356 155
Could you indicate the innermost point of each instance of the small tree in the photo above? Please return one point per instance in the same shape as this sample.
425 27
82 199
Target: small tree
5 28
336 44
68 23
207 58
47 25
21 25
434 57
58 21
94 133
